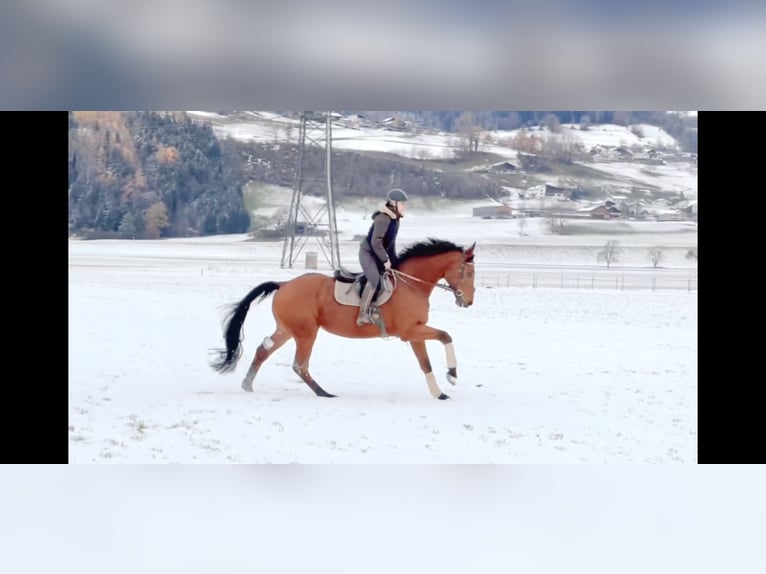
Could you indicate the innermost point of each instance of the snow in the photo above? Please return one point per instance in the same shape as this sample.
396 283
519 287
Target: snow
610 135
678 178
207 114
568 371
419 146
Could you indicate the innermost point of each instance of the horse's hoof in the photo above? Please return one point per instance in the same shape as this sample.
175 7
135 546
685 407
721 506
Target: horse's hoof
443 397
247 387
452 376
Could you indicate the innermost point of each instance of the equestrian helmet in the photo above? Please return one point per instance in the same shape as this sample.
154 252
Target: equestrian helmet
396 194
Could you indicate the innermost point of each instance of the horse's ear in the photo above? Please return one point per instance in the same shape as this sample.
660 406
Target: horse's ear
469 252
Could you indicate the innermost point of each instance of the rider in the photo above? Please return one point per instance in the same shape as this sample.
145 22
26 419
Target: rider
377 251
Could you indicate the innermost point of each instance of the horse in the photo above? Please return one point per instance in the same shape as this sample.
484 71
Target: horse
304 304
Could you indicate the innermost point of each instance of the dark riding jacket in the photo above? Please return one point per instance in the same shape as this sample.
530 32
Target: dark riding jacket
381 237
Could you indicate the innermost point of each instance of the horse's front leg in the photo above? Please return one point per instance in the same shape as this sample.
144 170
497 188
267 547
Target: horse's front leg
419 347
417 337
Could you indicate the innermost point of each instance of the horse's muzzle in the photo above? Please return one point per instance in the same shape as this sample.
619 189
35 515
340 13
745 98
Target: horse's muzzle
460 302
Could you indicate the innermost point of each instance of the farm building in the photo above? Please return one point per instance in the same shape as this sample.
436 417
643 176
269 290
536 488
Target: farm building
605 212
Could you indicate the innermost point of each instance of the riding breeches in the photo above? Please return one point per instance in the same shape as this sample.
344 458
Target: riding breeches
369 263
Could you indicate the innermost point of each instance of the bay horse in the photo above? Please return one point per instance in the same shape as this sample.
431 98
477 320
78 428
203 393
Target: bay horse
304 304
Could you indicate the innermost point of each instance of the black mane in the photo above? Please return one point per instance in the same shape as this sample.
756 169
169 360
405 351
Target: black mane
427 249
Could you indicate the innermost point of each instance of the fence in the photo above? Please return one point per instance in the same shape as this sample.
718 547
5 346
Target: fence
617 281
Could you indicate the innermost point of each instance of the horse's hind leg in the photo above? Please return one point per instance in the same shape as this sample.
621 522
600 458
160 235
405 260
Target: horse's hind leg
264 351
304 343
419 348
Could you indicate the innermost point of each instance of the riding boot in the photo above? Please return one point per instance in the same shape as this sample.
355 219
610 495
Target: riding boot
364 307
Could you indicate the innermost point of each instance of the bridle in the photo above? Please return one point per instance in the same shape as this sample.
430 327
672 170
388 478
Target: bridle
455 290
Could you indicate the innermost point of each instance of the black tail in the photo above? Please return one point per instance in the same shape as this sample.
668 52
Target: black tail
228 358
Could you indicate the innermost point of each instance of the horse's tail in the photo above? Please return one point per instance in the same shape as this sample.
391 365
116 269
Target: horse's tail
227 358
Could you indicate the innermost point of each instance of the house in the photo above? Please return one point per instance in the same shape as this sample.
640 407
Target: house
536 192
553 192
633 208
623 153
499 211
502 167
395 124
605 211
357 121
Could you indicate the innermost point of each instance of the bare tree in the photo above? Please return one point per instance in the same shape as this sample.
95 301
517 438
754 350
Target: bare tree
610 253
512 122
555 224
470 132
279 218
525 142
487 141
656 255
551 121
560 147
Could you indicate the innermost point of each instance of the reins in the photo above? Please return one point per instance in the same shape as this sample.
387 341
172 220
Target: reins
396 272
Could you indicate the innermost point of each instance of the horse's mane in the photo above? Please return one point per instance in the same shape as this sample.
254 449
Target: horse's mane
427 249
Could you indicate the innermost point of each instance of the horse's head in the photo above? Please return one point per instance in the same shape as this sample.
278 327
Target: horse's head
460 276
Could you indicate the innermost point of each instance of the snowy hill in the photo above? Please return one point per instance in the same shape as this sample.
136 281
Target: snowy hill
638 155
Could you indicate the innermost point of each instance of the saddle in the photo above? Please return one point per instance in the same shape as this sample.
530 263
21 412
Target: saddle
349 287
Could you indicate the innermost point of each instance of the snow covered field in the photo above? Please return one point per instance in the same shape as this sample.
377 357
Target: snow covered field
546 375
559 359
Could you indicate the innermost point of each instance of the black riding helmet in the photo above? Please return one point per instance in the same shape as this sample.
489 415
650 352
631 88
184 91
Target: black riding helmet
396 194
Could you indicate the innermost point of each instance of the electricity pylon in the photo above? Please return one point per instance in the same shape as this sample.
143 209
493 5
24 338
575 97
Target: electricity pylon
312 208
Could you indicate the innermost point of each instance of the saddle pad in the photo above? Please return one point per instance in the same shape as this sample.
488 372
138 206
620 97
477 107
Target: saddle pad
347 293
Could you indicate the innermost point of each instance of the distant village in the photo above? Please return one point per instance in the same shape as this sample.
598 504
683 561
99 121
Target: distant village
552 201
556 201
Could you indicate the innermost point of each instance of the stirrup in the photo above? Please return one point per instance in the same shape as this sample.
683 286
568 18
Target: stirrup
363 319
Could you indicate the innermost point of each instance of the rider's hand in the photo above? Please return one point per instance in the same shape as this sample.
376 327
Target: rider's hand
387 265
